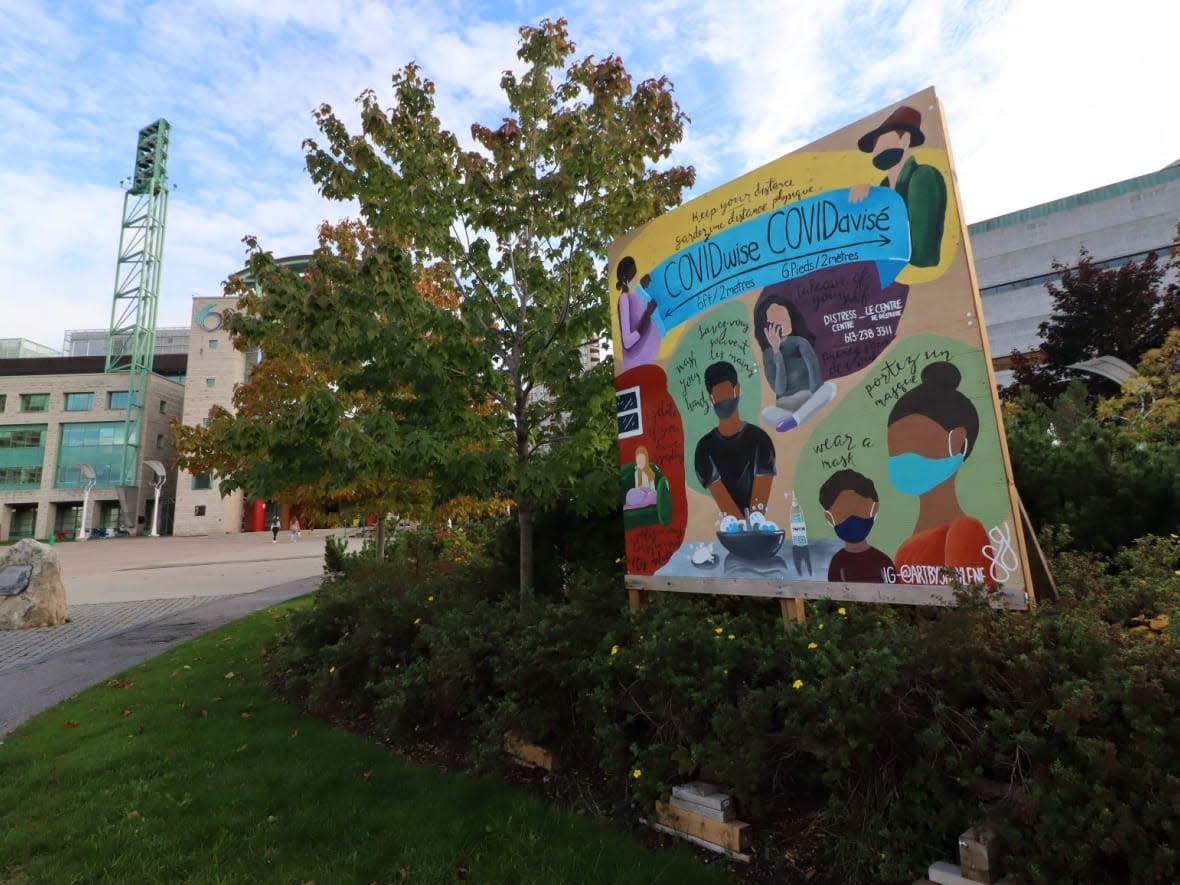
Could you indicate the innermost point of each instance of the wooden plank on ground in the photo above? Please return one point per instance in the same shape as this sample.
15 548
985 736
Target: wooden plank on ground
733 835
530 753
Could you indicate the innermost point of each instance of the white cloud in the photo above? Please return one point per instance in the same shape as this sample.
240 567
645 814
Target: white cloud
1043 98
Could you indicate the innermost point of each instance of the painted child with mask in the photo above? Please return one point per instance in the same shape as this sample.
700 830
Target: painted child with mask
850 502
932 431
735 461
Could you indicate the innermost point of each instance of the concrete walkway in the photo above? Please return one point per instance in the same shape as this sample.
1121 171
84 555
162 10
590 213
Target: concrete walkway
131 599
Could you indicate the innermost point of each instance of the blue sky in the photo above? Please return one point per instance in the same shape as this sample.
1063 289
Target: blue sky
1044 98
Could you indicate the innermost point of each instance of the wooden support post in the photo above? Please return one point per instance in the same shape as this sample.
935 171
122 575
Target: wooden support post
637 599
1043 585
794 612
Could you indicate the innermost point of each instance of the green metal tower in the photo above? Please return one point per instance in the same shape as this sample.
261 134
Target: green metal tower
131 340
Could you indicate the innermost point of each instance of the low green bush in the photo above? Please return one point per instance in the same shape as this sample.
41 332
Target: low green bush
887 729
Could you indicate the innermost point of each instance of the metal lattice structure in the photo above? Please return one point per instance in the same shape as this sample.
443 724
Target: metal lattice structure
132 335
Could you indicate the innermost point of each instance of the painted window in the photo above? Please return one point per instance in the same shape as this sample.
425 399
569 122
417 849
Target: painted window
202 482
628 412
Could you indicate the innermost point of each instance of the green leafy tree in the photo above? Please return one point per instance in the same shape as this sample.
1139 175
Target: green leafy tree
360 396
1097 479
1121 311
517 227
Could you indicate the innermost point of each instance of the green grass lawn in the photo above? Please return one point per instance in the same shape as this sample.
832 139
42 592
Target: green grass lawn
185 770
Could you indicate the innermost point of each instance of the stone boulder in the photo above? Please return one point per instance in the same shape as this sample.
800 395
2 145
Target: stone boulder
42 603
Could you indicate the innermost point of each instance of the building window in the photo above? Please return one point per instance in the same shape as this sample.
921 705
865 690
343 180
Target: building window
163 407
79 402
159 440
34 402
213 343
98 444
201 482
117 399
15 478
3 401
32 437
22 450
199 510
210 382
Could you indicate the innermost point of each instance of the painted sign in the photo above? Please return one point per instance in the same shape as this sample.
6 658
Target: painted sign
805 398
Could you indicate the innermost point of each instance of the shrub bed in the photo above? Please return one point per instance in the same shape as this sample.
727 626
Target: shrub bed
874 734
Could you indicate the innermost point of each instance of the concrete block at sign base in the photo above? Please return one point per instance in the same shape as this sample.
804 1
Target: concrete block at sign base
722 814
35 596
704 799
731 835
702 793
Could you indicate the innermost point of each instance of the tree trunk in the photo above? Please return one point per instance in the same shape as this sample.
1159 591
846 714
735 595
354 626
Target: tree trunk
524 513
380 539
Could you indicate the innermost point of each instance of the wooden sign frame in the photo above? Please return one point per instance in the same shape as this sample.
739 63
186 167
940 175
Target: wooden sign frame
806 402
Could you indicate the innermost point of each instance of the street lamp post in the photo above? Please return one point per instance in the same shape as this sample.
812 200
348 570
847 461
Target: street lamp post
91 479
157 484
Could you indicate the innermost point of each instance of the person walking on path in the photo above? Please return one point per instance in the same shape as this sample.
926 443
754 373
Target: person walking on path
274 530
294 528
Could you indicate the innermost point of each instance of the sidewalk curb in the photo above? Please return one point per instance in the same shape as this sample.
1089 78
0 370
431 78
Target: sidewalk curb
36 686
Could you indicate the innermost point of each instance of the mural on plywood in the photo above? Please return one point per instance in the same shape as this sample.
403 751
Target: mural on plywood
804 389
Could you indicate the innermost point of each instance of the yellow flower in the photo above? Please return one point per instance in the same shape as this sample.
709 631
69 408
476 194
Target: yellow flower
331 669
841 611
730 636
636 772
813 645
797 684
821 626
718 630
417 620
430 599
614 649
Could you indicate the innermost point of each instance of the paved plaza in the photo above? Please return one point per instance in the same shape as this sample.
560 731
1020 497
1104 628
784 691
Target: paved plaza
131 599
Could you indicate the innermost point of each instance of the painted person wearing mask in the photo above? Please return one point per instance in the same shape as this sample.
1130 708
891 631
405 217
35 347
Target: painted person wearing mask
735 461
932 431
850 503
920 186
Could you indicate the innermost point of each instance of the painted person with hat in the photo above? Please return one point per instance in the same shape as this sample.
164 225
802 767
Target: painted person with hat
920 186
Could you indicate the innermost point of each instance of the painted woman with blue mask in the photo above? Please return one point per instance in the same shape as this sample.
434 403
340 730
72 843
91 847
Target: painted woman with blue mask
932 431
